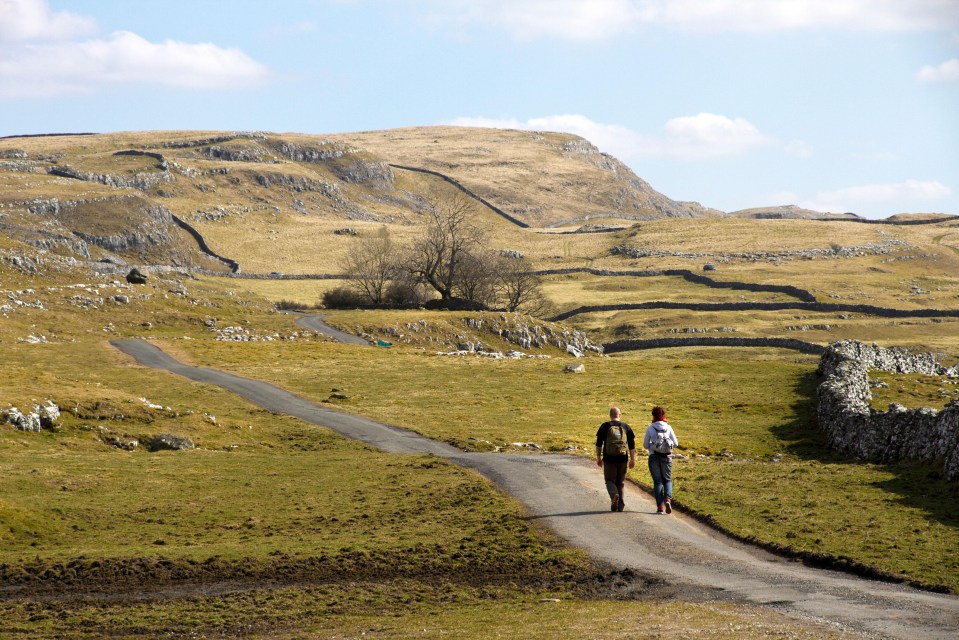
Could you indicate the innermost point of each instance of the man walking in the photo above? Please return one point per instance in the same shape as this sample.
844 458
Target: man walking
615 451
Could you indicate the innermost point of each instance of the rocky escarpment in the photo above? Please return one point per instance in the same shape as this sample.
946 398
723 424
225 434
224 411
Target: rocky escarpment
129 225
633 193
141 181
350 164
884 436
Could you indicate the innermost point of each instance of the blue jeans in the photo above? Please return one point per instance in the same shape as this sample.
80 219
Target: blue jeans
661 469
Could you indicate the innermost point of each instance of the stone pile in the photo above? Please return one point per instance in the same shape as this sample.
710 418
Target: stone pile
516 329
884 436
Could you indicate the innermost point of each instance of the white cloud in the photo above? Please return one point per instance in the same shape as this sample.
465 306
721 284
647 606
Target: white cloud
22 20
123 58
42 54
596 19
687 138
767 15
948 71
708 135
892 198
611 138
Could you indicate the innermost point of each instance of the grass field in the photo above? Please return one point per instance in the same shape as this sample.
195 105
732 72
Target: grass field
271 528
752 449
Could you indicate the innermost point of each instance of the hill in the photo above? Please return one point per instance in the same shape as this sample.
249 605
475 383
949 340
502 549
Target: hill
790 212
61 183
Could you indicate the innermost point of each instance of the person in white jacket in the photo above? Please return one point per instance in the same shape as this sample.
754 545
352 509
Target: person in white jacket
660 439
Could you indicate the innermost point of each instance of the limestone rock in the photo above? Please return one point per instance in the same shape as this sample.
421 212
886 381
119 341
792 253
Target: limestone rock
23 421
854 427
49 415
169 442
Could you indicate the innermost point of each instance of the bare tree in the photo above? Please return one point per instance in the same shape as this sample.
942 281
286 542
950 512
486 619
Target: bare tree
478 279
452 236
372 264
519 287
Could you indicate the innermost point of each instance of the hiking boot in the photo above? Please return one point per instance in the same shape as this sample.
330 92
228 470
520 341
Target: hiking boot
669 506
614 505
621 505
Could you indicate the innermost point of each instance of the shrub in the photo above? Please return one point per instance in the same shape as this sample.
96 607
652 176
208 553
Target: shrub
407 293
344 298
290 305
455 304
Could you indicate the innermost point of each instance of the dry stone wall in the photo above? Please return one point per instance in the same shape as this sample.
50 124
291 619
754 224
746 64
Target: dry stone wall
884 436
665 343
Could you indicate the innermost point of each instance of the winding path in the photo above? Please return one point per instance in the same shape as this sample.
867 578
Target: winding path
567 494
316 323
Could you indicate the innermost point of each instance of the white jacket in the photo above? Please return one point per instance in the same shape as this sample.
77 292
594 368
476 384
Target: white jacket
651 432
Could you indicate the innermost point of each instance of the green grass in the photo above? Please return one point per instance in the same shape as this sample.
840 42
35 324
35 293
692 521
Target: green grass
574 290
318 536
710 394
402 609
900 518
912 390
732 424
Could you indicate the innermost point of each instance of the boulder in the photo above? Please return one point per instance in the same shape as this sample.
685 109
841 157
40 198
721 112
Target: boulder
23 421
575 367
169 442
136 277
49 415
127 443
573 351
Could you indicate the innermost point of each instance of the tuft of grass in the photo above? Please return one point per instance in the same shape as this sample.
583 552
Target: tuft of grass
912 390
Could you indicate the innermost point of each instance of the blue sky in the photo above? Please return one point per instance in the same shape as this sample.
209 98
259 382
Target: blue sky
835 105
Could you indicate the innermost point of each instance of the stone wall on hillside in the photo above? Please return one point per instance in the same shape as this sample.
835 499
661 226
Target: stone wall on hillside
665 343
817 307
690 276
884 436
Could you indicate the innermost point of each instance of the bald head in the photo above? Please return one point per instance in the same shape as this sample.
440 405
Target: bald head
614 413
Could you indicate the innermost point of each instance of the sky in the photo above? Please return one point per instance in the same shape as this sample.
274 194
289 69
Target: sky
832 105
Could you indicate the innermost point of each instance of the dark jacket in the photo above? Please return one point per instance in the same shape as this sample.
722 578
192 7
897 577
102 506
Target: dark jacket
601 440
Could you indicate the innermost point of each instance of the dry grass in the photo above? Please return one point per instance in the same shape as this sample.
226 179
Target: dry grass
753 403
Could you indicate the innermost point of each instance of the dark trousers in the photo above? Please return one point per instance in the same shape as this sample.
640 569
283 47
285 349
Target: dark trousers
615 475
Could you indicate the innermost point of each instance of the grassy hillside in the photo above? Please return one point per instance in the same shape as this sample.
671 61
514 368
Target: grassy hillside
261 499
